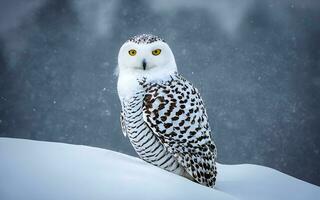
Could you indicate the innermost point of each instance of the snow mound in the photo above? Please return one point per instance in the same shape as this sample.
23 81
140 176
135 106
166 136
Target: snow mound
45 170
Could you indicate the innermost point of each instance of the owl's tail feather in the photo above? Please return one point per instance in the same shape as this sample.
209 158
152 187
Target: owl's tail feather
185 174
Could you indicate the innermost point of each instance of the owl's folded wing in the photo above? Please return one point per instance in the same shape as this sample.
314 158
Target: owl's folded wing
175 113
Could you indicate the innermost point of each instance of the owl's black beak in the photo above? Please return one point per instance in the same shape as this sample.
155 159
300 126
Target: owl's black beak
144 64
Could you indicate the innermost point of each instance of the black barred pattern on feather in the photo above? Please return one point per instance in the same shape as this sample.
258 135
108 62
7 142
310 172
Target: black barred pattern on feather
168 126
144 141
145 39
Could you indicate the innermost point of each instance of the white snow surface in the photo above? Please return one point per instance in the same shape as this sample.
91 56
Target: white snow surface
46 170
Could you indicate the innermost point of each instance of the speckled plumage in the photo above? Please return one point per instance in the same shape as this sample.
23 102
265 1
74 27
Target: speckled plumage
145 39
163 114
173 114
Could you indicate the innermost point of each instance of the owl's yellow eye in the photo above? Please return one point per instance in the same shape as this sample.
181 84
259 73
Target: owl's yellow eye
156 52
132 52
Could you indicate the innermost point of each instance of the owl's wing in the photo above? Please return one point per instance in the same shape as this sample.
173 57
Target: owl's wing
175 113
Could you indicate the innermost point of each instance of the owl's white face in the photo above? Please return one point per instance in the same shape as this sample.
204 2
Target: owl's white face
146 59
143 56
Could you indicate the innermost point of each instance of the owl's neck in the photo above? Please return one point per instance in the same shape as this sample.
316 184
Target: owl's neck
128 81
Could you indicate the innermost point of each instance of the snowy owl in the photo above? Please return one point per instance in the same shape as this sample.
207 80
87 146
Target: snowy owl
162 113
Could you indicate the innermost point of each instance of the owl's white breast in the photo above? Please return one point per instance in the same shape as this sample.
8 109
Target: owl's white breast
128 84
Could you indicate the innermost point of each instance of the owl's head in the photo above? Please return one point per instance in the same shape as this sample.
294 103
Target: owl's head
145 55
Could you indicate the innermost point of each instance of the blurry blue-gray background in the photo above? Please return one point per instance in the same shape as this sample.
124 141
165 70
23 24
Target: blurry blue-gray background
256 64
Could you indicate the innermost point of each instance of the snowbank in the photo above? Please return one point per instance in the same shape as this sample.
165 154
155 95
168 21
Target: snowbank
44 170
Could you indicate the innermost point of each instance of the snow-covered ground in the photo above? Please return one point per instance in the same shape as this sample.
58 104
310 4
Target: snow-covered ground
45 170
